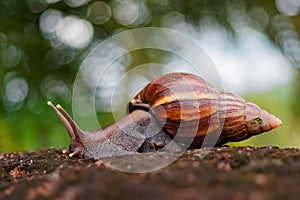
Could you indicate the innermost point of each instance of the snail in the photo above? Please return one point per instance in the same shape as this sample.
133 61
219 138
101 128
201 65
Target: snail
176 105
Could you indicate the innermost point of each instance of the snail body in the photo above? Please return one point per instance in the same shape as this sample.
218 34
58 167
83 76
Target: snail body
176 105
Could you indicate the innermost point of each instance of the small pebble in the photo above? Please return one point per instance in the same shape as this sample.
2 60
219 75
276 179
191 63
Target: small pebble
261 179
224 166
99 163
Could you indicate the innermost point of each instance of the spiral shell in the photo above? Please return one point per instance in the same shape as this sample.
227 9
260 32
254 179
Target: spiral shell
187 103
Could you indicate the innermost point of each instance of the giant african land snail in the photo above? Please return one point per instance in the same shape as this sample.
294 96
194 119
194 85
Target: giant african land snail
177 101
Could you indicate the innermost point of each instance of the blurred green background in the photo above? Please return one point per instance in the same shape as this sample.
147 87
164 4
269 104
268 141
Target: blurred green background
254 45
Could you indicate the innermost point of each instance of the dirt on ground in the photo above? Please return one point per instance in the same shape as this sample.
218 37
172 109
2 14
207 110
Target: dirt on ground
224 173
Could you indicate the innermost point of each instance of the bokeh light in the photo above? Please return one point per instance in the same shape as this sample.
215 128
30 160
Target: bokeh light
287 37
51 1
54 88
107 81
14 92
76 3
288 7
49 22
70 30
11 56
131 12
99 12
37 6
259 18
75 32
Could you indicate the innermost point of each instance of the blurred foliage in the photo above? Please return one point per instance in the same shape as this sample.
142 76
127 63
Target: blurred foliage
39 59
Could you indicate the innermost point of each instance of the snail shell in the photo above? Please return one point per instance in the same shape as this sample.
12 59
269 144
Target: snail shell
187 103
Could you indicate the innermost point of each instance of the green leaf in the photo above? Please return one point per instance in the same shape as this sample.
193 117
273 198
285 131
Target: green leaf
257 119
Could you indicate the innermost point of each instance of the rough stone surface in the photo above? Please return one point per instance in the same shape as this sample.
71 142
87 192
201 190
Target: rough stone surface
224 173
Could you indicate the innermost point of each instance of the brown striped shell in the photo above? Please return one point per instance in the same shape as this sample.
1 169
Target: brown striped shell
187 103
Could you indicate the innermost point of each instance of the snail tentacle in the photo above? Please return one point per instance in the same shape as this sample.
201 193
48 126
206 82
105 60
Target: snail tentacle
75 133
65 122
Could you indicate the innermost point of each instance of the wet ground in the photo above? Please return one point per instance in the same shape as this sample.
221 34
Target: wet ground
224 173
